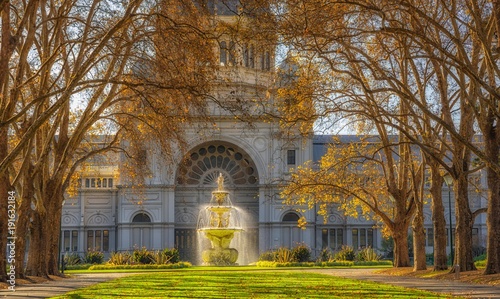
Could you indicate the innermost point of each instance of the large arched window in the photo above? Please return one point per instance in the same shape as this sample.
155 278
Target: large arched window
204 163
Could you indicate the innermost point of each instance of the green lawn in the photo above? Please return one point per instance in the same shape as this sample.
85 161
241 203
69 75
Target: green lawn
236 283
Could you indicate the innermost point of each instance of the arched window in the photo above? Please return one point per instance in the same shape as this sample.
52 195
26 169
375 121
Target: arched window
223 53
251 56
141 217
232 57
246 56
141 231
290 217
267 61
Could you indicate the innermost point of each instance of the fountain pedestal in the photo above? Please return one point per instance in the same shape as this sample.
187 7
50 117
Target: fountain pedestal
219 222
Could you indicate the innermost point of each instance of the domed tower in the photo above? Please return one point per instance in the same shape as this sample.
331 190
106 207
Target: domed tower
244 144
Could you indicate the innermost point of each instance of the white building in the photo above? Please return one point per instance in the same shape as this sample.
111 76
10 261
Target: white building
108 217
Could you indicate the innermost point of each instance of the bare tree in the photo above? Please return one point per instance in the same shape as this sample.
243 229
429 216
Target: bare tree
86 71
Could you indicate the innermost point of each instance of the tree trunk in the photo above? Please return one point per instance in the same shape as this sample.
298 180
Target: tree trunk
401 252
35 241
39 250
493 223
419 238
44 247
5 187
438 220
464 223
22 228
55 234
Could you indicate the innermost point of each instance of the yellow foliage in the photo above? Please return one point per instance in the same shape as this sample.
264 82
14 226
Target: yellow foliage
348 176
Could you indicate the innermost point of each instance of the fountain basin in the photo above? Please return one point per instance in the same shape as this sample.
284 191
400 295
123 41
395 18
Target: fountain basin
220 257
220 237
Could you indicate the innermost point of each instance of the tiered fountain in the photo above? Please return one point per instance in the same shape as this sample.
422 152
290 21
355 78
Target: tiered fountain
218 222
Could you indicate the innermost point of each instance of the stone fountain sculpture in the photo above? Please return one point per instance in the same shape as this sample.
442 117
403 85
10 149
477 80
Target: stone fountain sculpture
219 222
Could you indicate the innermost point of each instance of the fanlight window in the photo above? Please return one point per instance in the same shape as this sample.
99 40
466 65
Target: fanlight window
204 161
141 217
291 217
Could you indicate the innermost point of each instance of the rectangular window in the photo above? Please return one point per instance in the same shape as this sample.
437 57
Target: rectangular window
324 238
105 240
369 237
333 238
355 241
475 236
362 238
340 238
429 236
74 240
90 240
67 241
142 157
290 157
99 182
98 240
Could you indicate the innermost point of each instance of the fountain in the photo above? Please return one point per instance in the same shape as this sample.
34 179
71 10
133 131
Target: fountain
218 222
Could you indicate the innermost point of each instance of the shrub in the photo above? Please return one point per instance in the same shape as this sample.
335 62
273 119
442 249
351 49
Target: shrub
120 267
480 264
325 255
284 255
429 258
367 254
301 253
478 251
158 258
480 261
481 257
93 257
120 258
269 264
172 255
72 259
267 256
143 256
346 253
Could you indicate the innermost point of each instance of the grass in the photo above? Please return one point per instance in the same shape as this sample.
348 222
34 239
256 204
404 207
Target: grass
236 282
206 268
